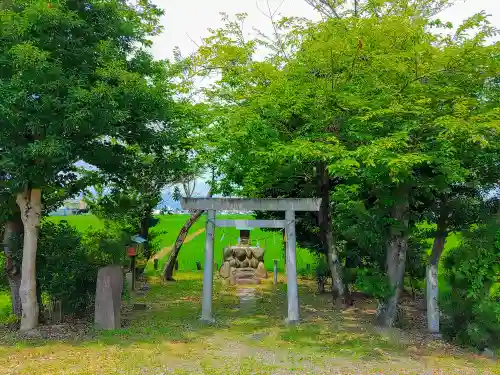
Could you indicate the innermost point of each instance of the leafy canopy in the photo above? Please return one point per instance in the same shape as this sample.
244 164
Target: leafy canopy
75 75
395 103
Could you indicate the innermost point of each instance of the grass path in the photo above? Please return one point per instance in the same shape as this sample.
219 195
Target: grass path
164 252
168 338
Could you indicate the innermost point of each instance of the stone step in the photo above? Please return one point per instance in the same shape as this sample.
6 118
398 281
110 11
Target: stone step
238 277
245 269
244 272
240 272
244 281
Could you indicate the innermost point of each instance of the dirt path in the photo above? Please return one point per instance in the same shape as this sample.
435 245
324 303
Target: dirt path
166 250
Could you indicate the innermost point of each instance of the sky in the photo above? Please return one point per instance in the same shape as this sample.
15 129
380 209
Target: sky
186 23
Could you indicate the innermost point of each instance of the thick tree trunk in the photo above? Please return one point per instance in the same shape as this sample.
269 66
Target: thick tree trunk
432 290
395 262
325 224
30 205
12 233
15 284
169 268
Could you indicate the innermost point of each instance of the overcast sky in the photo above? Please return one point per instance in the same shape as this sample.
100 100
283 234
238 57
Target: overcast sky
186 22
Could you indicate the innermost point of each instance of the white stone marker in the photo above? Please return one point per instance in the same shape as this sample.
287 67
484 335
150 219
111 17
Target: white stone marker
432 299
208 277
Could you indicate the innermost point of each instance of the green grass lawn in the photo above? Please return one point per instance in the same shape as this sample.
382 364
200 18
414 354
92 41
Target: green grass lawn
248 337
192 251
5 305
168 229
81 222
271 241
169 226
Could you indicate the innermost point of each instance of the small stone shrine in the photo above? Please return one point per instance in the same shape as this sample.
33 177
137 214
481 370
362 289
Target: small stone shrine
243 263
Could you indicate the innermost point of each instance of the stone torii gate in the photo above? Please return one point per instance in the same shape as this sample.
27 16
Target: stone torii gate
212 205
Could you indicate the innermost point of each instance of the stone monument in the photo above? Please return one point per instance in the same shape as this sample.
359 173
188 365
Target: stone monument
243 263
108 297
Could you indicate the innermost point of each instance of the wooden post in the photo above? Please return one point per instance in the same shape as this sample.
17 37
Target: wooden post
206 309
275 271
291 266
132 270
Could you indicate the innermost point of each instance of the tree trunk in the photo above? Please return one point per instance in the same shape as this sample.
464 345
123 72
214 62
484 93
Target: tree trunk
432 290
174 253
326 233
14 284
339 294
169 269
41 317
30 205
395 262
144 233
348 279
12 233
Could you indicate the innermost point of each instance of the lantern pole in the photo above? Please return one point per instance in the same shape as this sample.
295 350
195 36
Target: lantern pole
132 265
132 254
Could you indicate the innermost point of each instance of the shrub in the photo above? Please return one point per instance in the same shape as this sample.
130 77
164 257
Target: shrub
5 305
373 283
68 262
417 257
3 278
63 268
471 305
106 245
323 273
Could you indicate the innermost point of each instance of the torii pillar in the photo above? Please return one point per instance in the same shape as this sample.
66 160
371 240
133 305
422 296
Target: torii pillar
212 205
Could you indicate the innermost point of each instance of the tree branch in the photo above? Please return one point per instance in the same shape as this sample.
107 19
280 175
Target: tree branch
325 7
